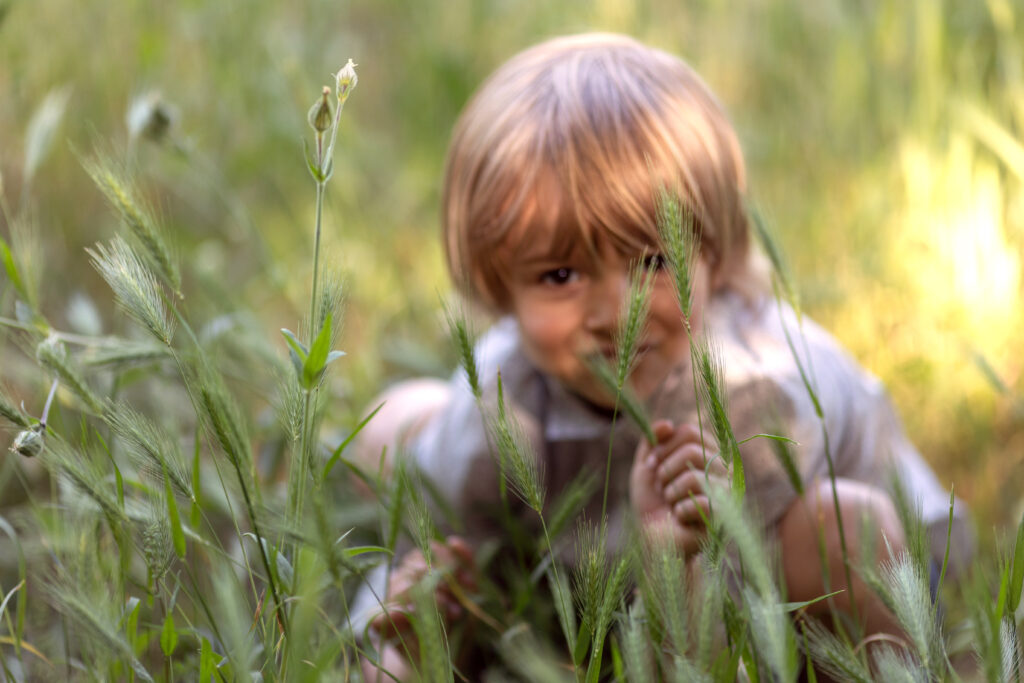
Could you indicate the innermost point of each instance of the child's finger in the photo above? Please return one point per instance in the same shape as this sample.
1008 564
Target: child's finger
663 430
689 457
689 482
667 443
391 623
692 510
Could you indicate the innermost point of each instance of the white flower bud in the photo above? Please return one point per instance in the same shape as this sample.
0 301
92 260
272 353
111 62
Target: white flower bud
346 80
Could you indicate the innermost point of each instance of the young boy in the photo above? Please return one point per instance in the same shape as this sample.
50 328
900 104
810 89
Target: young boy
550 194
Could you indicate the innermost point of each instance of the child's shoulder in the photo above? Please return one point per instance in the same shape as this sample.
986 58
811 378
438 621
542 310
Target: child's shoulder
765 338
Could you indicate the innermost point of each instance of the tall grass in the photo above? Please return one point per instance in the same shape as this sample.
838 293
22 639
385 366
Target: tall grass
165 523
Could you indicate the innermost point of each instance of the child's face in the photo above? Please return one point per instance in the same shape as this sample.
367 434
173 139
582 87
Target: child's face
568 307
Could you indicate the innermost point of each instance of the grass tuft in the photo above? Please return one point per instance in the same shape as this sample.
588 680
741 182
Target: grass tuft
681 242
834 656
152 449
135 288
639 659
463 340
631 325
113 180
519 462
912 606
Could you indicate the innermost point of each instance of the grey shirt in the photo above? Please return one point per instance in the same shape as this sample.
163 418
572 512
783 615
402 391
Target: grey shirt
766 394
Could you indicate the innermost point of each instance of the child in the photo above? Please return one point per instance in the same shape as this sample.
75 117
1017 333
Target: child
550 194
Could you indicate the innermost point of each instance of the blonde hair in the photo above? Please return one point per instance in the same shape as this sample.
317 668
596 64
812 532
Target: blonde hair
589 127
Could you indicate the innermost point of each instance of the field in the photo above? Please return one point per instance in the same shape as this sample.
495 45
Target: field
885 145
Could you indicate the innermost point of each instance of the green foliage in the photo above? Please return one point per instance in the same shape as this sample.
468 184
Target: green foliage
104 574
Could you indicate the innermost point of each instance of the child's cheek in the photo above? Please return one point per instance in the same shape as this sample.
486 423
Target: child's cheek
548 338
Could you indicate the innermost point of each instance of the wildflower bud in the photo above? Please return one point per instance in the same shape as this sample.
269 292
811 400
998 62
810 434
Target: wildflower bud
29 442
320 113
346 80
150 117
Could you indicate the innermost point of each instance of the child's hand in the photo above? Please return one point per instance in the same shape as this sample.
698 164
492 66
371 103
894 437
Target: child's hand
454 558
667 484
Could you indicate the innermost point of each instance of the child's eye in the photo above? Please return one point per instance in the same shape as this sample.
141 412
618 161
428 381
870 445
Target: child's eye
654 262
559 276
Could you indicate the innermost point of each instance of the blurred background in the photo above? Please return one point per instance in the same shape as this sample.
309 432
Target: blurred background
885 144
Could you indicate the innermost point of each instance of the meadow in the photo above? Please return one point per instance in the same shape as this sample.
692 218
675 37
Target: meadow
189 509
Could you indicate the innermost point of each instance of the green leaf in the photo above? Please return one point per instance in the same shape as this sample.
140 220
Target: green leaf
206 663
617 667
773 437
168 635
196 513
582 644
296 351
739 481
997 615
333 356
594 666
12 269
1017 575
945 555
118 479
316 361
177 534
311 162
794 606
337 451
285 572
281 568
131 627
357 550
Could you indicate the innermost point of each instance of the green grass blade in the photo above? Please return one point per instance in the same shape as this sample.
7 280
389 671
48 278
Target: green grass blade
348 439
1017 573
11 268
177 534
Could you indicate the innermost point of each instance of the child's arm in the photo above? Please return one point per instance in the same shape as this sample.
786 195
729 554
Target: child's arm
667 484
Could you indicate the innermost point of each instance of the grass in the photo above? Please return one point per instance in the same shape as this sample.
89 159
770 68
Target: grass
160 532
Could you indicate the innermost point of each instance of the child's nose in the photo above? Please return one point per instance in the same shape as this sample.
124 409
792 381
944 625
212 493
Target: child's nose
605 302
